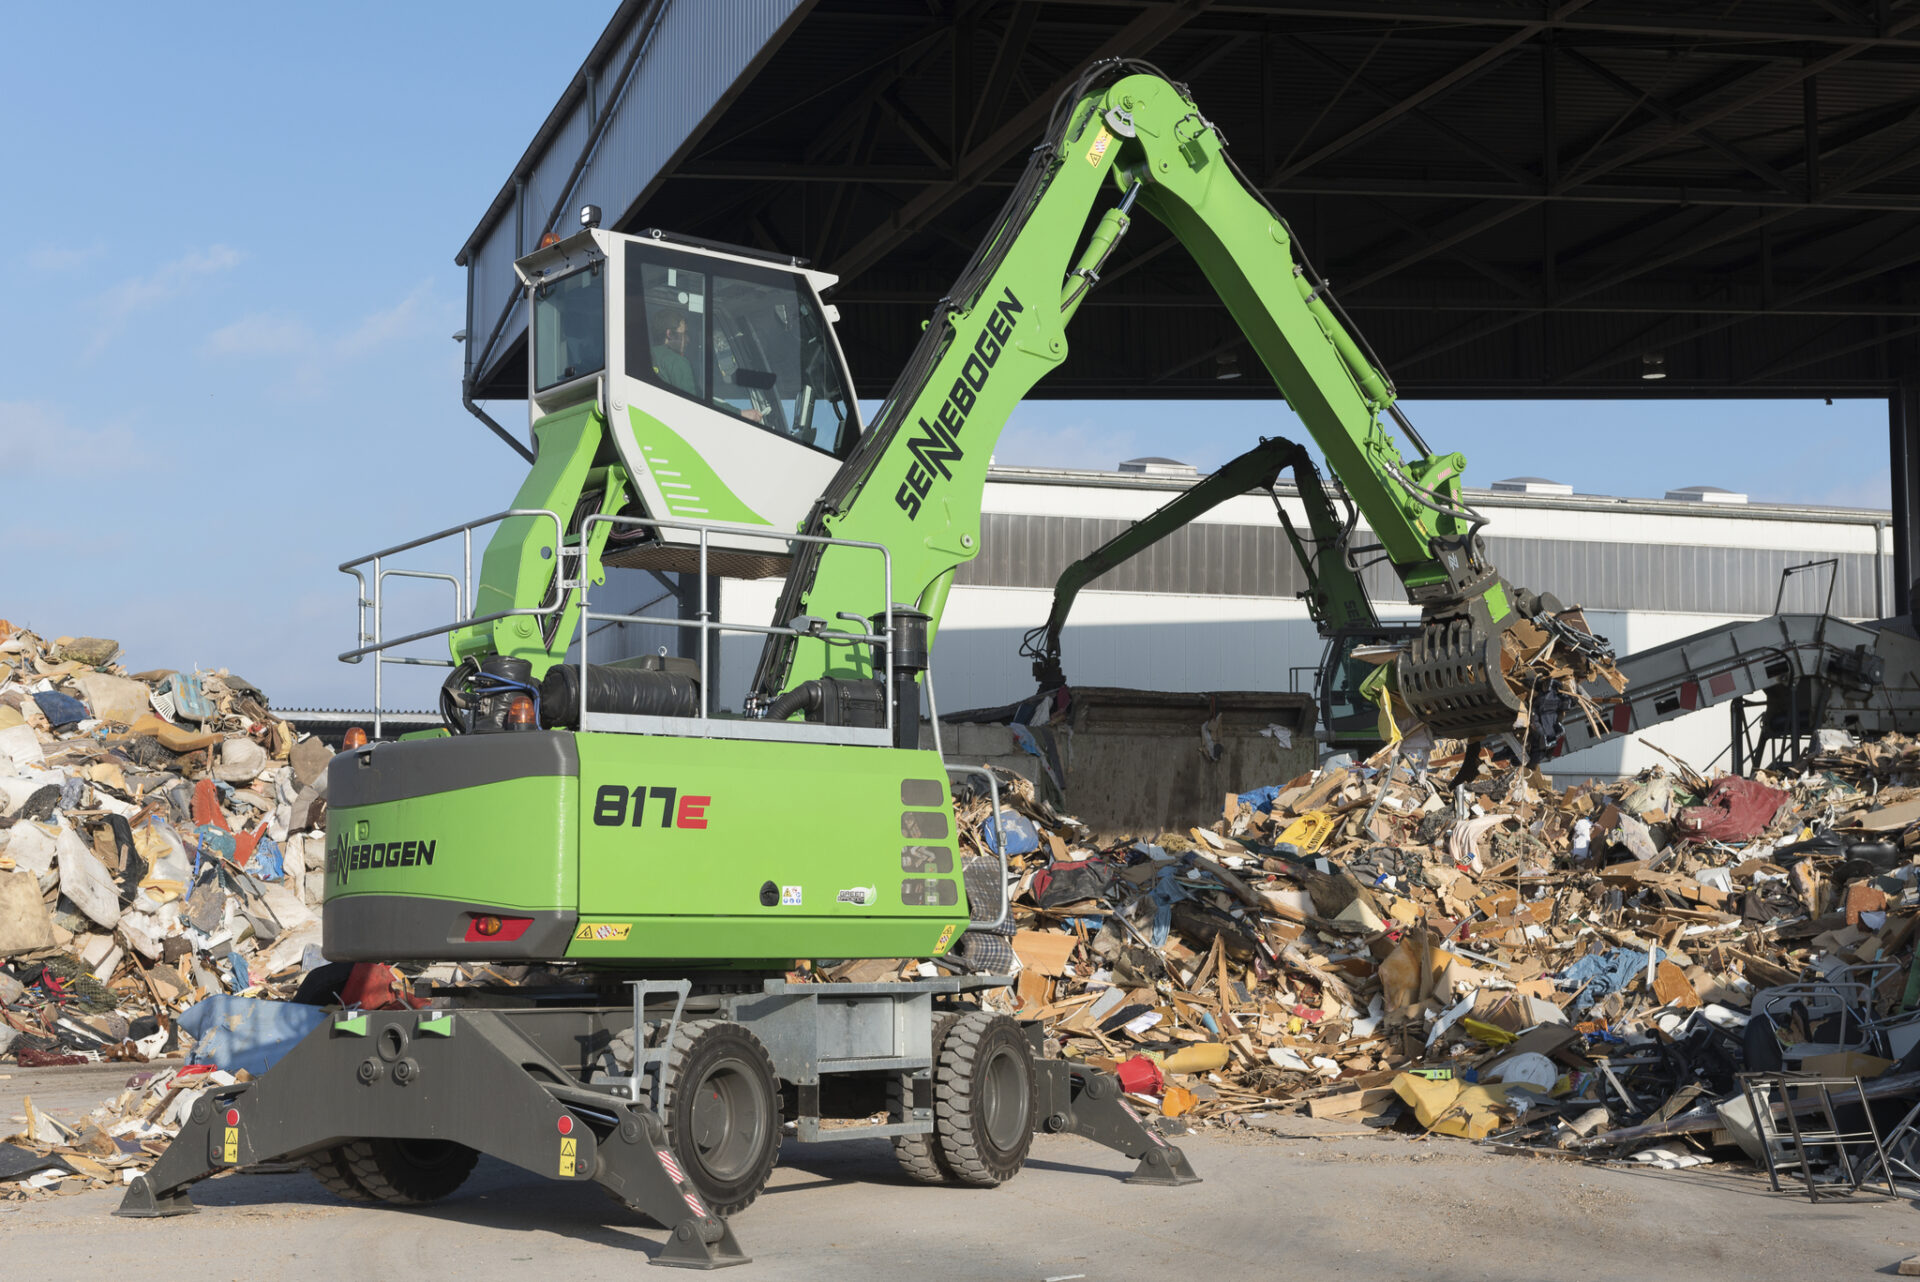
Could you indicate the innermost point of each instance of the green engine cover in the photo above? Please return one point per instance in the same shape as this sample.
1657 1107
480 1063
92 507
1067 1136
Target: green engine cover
639 850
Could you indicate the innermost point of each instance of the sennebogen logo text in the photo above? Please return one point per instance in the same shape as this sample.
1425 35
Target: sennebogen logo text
939 441
345 858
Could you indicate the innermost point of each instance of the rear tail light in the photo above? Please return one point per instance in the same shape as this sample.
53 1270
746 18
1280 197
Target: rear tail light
490 928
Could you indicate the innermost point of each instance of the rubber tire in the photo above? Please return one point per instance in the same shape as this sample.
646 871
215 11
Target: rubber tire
919 1155
329 1166
409 1172
699 1048
982 1058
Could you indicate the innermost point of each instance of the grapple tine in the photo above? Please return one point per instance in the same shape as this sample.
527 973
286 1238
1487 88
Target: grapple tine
1451 678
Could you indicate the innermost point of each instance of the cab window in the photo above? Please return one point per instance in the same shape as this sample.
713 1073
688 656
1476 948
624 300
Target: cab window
746 341
569 328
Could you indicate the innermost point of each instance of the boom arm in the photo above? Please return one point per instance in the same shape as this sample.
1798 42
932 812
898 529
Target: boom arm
915 482
1334 594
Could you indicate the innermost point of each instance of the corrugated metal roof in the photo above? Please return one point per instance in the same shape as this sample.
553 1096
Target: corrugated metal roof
654 81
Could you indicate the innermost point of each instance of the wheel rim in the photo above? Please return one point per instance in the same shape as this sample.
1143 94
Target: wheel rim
728 1120
1004 1099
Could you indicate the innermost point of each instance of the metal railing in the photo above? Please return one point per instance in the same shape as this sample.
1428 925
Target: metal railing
371 575
1830 564
709 628
376 644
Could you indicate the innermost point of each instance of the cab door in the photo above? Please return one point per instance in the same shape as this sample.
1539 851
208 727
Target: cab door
727 395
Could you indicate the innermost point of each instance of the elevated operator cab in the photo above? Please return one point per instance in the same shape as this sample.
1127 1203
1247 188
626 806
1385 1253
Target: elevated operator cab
717 369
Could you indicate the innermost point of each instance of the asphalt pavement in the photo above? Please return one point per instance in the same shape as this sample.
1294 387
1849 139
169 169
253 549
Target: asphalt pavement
1291 1197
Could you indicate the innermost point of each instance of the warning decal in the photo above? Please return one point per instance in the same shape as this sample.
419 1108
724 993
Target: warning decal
602 932
569 1154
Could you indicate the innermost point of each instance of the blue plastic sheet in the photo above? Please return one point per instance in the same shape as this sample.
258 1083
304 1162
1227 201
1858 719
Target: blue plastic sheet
1260 799
211 839
237 1033
1165 894
268 864
1022 838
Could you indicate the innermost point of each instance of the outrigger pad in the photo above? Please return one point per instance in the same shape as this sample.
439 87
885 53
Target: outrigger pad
637 1166
1078 1100
142 1203
690 1247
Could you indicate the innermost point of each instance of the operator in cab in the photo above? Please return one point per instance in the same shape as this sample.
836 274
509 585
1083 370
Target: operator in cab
670 353
676 371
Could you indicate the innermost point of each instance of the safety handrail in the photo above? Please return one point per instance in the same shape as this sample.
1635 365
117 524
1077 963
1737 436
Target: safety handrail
466 578
707 626
1831 564
376 644
570 576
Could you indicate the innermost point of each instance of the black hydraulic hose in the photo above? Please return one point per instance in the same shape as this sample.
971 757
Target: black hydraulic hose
804 697
776 657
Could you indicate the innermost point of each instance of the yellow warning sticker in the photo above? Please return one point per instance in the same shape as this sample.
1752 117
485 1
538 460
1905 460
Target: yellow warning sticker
946 937
602 932
230 1149
1099 148
569 1153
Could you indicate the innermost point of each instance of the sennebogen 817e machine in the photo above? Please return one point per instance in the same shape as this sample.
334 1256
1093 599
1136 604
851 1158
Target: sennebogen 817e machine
693 414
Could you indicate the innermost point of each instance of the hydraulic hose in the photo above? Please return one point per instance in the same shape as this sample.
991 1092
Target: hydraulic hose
804 697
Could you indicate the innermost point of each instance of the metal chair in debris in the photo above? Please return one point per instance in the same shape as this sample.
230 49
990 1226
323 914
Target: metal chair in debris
1799 1125
1827 1016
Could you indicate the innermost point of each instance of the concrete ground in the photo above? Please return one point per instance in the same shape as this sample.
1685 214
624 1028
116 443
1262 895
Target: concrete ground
1299 1197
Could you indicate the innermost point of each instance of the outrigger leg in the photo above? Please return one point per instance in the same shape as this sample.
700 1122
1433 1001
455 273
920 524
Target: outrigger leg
465 1077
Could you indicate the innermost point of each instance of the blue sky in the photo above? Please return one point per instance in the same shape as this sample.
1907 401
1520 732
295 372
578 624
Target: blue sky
229 233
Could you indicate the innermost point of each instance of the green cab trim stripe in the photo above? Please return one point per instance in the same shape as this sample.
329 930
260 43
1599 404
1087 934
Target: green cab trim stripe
697 493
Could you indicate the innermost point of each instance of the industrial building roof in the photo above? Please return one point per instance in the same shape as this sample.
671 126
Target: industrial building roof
1511 198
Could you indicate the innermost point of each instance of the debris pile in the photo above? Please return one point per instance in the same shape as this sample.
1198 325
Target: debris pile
159 842
1424 940
113 1143
1589 967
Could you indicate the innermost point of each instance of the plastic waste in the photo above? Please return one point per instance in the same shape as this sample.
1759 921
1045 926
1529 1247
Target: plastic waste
1196 1057
235 1033
1140 1076
86 881
268 864
1021 836
189 700
1527 1069
167 858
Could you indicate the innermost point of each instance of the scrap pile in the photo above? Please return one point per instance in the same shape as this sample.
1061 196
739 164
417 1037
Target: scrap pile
159 842
1572 967
114 1142
234 1037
